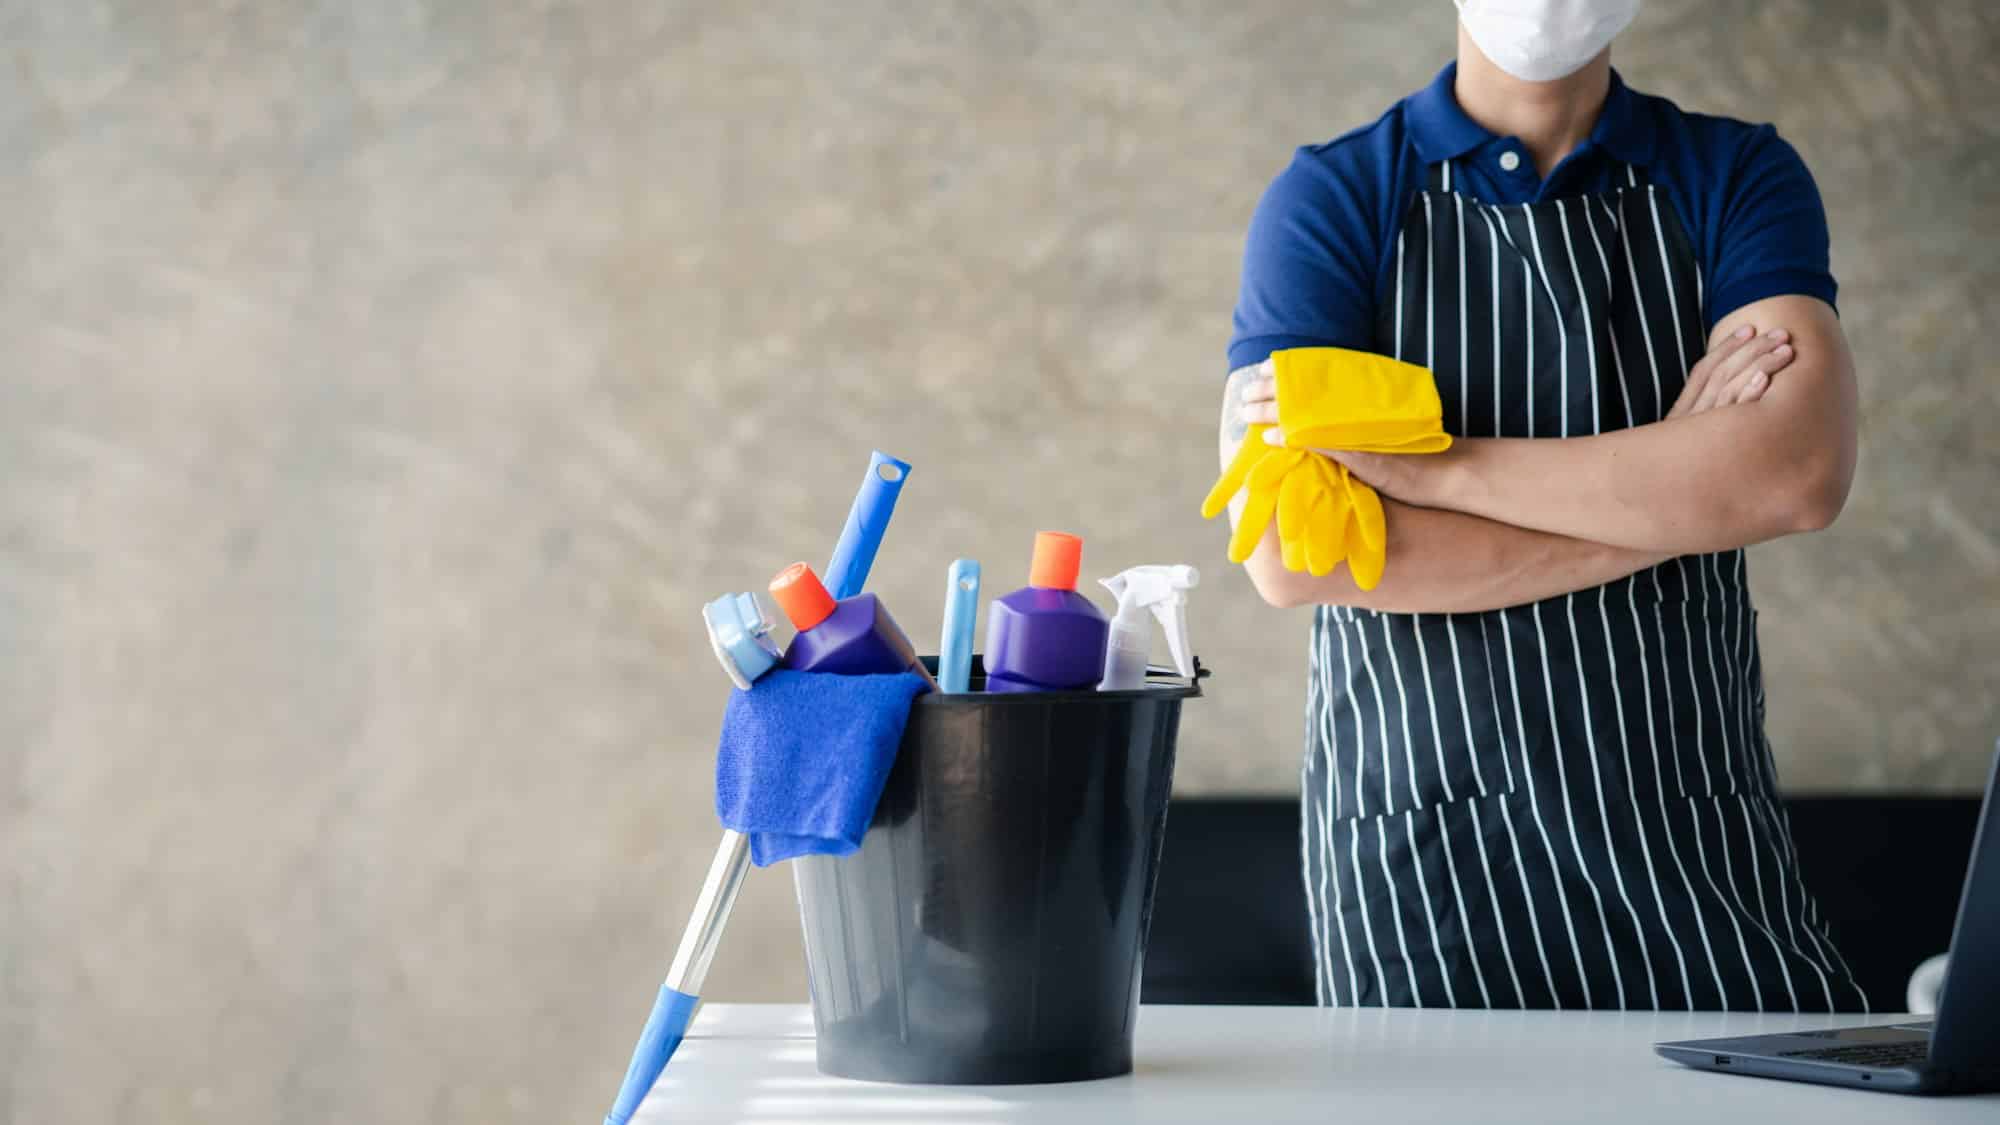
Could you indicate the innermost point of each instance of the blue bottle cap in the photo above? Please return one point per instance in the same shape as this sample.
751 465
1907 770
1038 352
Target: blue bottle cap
739 629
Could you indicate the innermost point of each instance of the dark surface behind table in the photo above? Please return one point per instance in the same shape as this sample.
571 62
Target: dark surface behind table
1229 920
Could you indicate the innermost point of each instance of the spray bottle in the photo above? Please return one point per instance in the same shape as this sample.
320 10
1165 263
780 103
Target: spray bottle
1163 590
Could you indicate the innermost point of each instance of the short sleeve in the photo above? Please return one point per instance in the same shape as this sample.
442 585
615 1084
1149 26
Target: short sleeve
1309 264
1772 237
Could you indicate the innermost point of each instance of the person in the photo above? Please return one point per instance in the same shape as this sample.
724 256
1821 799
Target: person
1536 772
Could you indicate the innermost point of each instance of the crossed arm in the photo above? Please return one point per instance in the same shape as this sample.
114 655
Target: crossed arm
1743 457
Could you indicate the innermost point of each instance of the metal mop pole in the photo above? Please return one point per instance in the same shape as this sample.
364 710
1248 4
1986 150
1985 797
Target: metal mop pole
680 996
711 914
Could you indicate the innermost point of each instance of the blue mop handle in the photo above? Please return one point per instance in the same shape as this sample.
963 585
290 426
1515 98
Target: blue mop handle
961 609
854 553
681 992
664 1029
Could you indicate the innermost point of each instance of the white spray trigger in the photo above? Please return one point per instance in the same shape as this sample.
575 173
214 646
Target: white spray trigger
1172 615
1163 590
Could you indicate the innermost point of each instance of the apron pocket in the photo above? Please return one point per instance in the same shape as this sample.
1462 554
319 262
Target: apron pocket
1706 725
1402 714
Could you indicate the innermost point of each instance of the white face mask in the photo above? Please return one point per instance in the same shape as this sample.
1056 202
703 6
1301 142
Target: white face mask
1542 40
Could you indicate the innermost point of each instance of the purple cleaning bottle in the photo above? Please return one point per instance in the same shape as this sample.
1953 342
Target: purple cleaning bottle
1046 636
854 637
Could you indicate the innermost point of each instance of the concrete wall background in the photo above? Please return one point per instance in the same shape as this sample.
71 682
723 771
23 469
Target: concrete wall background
386 384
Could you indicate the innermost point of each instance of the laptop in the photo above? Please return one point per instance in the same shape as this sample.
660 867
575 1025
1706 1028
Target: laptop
1956 1053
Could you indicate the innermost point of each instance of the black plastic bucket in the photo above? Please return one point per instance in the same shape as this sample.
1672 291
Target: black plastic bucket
992 927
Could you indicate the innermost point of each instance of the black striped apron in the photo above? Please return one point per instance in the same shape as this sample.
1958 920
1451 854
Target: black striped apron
1571 803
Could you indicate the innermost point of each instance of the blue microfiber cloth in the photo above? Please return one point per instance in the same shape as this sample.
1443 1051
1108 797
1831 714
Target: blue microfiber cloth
804 756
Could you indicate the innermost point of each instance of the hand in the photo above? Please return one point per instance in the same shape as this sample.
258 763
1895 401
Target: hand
1253 397
1736 372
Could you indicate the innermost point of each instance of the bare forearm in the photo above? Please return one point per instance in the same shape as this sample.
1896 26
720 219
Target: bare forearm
1712 482
1450 562
1709 481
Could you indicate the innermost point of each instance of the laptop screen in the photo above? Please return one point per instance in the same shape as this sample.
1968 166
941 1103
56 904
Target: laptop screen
1961 1039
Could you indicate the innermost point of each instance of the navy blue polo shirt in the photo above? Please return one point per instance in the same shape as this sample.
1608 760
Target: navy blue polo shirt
1321 244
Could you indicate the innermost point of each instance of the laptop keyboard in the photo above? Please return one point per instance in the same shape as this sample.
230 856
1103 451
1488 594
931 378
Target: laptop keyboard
1886 1055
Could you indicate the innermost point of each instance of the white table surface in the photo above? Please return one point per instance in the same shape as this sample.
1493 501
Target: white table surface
753 1064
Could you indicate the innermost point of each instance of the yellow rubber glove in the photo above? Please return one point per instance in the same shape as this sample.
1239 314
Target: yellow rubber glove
1264 485
1329 398
1296 485
1248 454
1367 539
1369 521
1311 517
1326 528
1295 504
1261 469
1326 516
1337 398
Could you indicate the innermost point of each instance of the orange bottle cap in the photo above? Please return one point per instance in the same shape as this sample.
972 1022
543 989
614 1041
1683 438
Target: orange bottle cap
798 592
1058 557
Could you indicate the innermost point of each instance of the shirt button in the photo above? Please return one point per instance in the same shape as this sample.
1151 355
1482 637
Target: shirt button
1510 160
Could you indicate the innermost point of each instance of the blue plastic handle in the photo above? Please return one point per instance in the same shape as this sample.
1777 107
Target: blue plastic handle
854 553
657 1043
961 609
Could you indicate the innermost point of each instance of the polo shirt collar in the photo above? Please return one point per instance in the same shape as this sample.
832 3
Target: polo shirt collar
1442 131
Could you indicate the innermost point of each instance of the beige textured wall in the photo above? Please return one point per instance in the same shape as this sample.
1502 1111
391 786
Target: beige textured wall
386 384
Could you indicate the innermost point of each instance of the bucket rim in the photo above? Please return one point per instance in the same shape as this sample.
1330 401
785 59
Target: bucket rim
1162 684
